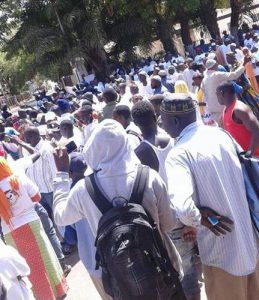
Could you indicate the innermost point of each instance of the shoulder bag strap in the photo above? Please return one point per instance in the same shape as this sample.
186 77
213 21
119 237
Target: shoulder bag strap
96 195
147 156
135 134
139 185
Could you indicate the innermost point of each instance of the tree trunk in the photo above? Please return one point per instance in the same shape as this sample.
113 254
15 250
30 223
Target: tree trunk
208 16
236 7
185 28
97 59
164 34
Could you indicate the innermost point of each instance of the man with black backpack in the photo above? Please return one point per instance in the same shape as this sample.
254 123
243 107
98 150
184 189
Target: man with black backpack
128 210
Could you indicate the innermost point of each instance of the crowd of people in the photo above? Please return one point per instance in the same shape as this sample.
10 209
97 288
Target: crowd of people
72 163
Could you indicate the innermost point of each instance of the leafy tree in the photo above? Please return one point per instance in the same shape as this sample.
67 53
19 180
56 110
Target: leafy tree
236 11
15 71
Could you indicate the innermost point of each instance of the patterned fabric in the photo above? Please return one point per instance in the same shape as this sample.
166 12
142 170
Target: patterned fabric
47 278
43 171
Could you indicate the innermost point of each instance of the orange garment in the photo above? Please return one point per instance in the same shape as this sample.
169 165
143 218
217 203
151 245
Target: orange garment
239 132
251 75
5 207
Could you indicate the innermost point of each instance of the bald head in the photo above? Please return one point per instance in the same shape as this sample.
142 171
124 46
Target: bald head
32 136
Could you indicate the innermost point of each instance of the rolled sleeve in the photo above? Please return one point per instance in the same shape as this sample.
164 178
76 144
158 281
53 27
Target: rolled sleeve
66 205
181 192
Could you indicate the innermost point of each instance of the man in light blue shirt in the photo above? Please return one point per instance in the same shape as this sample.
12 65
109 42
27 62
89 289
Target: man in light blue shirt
206 188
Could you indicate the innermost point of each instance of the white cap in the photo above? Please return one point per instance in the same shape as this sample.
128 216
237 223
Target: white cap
210 63
156 77
211 55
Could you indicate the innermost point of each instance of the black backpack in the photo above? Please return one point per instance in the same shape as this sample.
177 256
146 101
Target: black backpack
129 248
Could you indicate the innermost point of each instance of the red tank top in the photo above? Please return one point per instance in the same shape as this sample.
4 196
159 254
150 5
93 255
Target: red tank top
239 132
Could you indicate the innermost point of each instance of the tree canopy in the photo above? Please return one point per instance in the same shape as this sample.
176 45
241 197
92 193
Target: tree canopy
45 36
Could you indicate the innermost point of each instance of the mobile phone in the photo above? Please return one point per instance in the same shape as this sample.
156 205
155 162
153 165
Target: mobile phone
213 220
71 147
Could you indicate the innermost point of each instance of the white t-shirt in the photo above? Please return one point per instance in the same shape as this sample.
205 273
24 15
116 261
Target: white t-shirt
88 130
22 207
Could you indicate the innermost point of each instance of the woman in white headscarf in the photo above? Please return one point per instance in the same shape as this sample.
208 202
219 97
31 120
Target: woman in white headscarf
109 154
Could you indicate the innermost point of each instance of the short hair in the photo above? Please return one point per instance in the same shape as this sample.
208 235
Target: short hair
157 99
110 94
142 112
33 114
122 85
67 123
86 102
123 110
134 87
227 87
86 108
32 130
22 112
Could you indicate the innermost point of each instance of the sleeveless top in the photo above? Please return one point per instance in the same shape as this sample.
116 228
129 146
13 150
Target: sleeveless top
162 154
239 132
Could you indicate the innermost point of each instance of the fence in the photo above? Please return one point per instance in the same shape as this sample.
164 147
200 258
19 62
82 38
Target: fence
17 100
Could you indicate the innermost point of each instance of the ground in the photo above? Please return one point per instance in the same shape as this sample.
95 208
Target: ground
80 285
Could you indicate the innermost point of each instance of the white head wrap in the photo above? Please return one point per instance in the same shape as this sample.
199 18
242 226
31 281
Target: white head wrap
108 150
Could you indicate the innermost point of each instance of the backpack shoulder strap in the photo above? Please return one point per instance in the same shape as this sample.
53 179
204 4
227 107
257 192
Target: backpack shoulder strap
96 195
147 156
139 185
135 134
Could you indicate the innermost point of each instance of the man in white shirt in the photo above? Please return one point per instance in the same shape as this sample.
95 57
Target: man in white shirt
238 53
144 85
174 75
122 114
213 78
224 49
71 133
206 187
86 118
43 171
109 152
188 75
125 95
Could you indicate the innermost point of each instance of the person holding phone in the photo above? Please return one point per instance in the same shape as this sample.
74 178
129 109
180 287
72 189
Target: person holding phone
206 188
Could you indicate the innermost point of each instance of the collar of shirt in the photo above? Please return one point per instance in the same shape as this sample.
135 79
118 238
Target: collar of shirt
187 129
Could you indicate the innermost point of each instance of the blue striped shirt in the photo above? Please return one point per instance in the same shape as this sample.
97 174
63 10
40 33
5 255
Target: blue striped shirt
203 170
